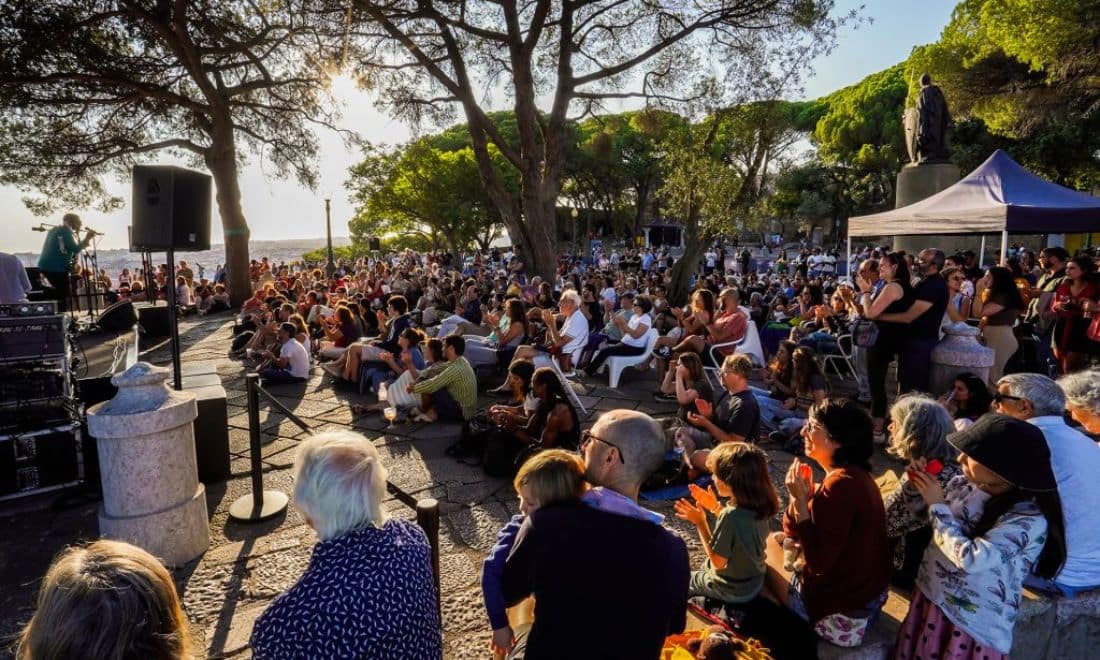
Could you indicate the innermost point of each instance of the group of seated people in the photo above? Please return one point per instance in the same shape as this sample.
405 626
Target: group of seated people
976 516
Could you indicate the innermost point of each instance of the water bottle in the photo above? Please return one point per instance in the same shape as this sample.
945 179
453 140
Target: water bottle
383 392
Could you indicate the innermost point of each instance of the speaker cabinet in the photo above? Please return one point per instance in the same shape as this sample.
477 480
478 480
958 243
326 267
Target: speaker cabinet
119 317
171 209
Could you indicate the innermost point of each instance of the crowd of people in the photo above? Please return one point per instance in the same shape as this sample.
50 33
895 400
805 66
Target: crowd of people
994 492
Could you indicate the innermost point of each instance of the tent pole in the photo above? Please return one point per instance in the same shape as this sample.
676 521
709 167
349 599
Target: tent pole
981 254
1004 245
848 261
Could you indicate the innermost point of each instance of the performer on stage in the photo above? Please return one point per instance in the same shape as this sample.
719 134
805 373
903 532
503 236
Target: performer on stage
59 253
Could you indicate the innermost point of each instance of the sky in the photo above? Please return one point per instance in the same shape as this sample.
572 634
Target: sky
283 209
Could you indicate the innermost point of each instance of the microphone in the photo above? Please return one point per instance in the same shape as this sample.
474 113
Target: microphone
38 228
92 232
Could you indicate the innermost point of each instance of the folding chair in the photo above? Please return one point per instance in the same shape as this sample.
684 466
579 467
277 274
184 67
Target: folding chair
844 357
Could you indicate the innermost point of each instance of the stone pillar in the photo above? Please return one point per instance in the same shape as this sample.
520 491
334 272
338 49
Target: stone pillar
917 182
145 437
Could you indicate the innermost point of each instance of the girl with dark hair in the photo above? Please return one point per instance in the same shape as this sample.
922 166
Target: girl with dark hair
894 297
992 526
840 526
511 331
734 544
1075 297
554 424
391 366
968 400
997 302
808 387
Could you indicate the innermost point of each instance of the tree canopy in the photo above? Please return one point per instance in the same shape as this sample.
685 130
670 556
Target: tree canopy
90 87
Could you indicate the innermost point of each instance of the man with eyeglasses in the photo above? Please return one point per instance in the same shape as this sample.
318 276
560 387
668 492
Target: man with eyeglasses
1075 458
610 581
924 317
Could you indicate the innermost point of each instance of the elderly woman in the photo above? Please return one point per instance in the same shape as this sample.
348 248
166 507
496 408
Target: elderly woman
367 591
918 435
840 525
1082 391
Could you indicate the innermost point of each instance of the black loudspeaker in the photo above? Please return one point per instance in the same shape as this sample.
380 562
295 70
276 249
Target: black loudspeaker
119 317
171 209
154 319
375 244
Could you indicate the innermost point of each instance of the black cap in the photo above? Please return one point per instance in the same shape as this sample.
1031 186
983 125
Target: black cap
1013 448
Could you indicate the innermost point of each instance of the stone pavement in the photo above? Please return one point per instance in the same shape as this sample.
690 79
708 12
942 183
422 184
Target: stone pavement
247 565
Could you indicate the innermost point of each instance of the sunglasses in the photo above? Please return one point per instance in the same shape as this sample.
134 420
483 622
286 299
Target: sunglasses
587 436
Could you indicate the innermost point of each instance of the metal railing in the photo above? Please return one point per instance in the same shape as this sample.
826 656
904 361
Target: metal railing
262 504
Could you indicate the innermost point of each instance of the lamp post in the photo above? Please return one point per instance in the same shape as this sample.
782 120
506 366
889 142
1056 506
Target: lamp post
331 268
574 213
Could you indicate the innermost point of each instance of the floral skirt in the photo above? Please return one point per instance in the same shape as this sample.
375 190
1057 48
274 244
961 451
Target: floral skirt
927 633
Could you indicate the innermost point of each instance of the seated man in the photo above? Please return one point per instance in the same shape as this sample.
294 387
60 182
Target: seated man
565 343
291 365
734 418
452 394
607 577
1076 461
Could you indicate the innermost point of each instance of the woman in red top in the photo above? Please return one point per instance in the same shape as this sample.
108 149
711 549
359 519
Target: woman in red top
840 525
1074 300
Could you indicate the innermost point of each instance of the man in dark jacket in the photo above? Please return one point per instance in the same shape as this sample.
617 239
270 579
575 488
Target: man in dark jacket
608 580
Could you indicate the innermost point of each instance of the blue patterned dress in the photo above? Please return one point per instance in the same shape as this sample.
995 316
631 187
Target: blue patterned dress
366 594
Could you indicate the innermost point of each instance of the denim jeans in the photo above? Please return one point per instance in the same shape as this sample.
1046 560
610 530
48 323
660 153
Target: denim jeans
859 362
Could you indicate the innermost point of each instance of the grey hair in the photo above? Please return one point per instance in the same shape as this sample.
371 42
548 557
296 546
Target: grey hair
572 296
1044 394
339 483
1082 390
920 428
640 439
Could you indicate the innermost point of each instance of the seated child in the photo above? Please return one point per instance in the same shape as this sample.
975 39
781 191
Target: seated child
991 526
735 545
549 477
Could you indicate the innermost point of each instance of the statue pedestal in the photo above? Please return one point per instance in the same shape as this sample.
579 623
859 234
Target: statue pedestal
917 182
152 497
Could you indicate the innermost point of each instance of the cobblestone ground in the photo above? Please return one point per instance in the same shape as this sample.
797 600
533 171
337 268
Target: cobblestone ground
247 565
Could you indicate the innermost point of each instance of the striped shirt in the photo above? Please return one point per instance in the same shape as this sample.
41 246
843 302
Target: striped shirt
459 380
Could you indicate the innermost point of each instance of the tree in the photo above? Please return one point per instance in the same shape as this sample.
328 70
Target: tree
90 87
430 59
421 190
718 171
864 121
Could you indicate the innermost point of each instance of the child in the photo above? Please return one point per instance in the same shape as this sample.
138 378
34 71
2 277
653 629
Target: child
549 477
998 521
735 572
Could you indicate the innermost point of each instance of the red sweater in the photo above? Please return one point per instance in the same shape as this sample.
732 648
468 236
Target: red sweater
844 540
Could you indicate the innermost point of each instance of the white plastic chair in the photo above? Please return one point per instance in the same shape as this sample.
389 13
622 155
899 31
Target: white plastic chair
615 365
749 344
844 357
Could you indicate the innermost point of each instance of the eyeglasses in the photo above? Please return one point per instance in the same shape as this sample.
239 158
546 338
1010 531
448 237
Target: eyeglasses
587 436
999 397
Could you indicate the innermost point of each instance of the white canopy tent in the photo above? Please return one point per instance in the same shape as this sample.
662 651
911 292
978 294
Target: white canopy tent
998 197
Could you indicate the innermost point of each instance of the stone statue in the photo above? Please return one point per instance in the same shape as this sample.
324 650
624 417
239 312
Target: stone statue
930 140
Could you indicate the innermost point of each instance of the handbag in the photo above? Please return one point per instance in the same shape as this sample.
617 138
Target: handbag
1093 331
864 333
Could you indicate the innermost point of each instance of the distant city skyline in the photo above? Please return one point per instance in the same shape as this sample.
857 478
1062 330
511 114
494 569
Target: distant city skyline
283 209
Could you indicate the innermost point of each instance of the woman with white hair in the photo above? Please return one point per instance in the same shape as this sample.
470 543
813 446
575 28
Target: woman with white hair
367 591
1082 390
919 427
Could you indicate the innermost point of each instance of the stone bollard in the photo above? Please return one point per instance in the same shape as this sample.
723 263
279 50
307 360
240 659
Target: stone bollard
146 443
958 352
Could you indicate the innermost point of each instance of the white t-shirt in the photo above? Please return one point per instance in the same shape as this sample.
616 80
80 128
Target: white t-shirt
609 294
183 295
636 321
297 358
576 326
712 259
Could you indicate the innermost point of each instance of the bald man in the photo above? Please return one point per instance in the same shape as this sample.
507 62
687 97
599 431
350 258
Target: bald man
611 580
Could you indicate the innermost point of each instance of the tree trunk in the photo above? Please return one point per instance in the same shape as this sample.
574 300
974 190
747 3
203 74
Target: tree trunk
679 289
223 166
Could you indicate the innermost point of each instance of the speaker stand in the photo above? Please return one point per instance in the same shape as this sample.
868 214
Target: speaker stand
173 322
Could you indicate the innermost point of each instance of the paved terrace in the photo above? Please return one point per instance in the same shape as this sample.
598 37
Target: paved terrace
248 565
